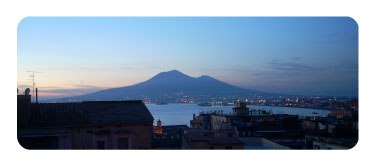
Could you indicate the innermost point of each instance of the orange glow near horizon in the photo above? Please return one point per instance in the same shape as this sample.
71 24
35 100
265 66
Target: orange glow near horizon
50 94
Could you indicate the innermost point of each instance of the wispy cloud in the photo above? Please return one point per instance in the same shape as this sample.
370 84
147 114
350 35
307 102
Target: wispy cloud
55 91
292 64
70 91
85 86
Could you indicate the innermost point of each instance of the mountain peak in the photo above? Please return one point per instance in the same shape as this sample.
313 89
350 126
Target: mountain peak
204 76
169 75
174 71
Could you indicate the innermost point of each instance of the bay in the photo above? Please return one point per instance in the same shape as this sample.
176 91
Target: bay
181 114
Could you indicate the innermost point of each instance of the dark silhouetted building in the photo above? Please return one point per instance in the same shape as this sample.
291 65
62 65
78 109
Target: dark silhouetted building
210 139
84 125
170 138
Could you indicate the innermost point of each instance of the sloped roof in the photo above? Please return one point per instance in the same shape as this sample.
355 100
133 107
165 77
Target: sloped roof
118 112
88 113
57 114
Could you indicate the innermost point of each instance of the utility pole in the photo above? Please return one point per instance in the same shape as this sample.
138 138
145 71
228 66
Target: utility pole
33 79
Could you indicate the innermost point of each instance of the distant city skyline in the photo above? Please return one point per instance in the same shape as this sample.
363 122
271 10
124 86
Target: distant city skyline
299 56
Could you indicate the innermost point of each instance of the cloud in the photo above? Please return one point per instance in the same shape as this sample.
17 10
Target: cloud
69 91
54 91
84 86
76 88
291 64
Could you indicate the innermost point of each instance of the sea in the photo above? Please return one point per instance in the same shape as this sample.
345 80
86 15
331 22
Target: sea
181 114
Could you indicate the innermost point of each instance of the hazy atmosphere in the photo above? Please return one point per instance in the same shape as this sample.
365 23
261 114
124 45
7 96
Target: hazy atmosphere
300 56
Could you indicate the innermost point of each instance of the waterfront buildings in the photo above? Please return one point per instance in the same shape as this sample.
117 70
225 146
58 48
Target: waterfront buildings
337 131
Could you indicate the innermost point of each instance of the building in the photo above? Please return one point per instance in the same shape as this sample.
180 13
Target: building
220 122
170 138
203 121
332 133
254 126
323 140
84 125
210 139
341 114
240 109
260 143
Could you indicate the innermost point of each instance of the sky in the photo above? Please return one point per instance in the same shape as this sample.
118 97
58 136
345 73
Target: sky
316 56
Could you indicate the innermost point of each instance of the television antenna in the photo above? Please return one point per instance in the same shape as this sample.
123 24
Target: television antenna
33 78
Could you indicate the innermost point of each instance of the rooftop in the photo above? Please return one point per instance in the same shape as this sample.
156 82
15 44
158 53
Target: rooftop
51 115
197 135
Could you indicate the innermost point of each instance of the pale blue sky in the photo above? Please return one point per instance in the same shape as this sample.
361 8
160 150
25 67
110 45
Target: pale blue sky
305 56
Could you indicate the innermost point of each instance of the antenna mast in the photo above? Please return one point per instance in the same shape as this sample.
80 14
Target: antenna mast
33 79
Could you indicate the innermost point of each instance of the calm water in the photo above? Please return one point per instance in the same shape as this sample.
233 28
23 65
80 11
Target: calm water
175 114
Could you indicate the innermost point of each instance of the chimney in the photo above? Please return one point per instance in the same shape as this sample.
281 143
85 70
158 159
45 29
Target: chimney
194 116
159 123
36 95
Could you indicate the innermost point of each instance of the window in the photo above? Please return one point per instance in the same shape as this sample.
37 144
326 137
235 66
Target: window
100 144
211 147
228 147
123 143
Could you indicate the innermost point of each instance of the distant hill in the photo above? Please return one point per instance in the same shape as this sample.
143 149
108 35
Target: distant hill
167 84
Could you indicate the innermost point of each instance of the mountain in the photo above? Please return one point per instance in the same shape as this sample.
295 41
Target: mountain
167 85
